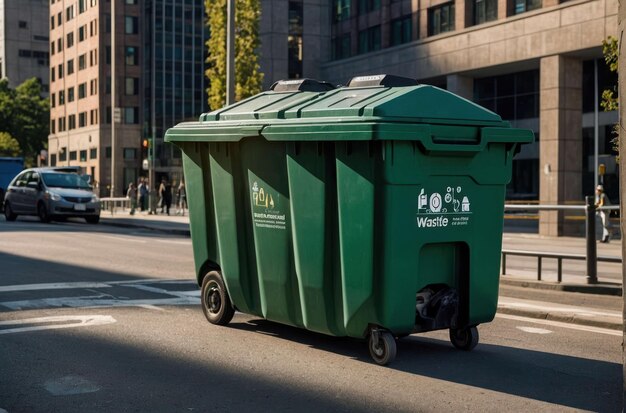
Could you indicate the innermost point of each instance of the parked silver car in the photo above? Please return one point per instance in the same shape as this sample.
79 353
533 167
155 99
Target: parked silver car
51 193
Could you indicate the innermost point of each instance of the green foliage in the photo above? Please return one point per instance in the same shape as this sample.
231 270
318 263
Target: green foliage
248 77
24 115
610 50
8 145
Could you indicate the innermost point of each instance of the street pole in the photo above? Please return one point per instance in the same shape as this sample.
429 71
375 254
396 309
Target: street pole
230 54
592 253
596 138
113 98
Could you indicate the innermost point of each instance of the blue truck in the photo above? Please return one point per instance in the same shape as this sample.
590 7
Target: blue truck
9 168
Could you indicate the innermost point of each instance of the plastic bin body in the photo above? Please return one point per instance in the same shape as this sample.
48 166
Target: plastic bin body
332 216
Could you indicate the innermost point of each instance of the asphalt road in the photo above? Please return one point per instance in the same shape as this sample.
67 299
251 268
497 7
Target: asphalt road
101 319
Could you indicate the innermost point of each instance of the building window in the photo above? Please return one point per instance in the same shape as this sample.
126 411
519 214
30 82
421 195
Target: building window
131 86
60 44
82 6
71 124
82 62
107 152
366 6
60 18
72 153
131 115
83 155
60 70
52 23
341 47
341 10
82 33
93 87
52 48
107 55
93 153
401 30
61 97
70 66
513 97
52 73
130 25
63 154
82 122
53 159
69 13
70 40
132 55
522 6
52 130
94 116
82 90
294 40
369 39
485 11
93 3
53 99
131 1
130 153
441 19
22 24
70 94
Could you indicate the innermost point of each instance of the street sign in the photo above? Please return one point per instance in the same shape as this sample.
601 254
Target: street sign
117 115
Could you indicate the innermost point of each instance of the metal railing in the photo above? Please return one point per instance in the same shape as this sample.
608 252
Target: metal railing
112 204
591 255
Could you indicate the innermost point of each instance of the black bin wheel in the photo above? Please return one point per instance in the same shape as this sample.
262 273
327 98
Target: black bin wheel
216 304
382 347
464 338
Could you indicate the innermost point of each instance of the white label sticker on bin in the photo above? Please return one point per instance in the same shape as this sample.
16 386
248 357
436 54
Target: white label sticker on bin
265 212
448 208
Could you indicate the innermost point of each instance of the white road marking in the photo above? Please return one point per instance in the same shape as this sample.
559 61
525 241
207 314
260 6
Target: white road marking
127 239
512 303
62 322
561 325
69 385
52 286
534 330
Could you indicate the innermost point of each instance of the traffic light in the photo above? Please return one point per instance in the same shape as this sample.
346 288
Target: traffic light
146 143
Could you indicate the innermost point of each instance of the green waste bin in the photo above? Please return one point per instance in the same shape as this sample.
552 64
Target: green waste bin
372 210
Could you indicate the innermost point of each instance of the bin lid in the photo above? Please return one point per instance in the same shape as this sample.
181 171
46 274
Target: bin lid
369 112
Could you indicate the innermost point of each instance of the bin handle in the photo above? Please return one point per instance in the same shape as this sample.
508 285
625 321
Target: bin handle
433 144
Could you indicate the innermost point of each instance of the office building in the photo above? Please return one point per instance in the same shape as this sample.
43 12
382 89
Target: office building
159 79
24 41
532 61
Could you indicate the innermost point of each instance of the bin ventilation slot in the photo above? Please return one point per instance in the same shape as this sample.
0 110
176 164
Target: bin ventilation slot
302 85
382 80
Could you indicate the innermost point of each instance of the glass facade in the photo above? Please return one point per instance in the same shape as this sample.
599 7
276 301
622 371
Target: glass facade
294 40
515 97
174 83
369 39
522 6
401 30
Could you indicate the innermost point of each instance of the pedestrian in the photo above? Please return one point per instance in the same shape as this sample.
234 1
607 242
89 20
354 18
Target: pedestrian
181 199
603 200
131 193
143 194
165 194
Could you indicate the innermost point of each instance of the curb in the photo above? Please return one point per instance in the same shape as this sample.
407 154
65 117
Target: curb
600 289
569 318
183 232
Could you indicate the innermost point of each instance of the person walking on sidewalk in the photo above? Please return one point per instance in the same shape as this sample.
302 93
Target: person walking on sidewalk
143 194
132 194
181 199
603 200
165 193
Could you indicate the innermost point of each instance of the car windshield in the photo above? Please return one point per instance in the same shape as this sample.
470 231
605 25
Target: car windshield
64 180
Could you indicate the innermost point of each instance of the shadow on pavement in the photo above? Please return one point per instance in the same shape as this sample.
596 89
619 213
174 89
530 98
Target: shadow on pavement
563 380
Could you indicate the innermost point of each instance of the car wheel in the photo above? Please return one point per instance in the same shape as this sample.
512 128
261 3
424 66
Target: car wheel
42 213
94 219
8 213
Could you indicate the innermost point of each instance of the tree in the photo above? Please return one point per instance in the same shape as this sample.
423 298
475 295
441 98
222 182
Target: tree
25 114
8 145
248 76
610 50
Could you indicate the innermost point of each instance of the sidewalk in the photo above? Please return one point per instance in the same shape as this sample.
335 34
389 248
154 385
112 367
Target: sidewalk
519 288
